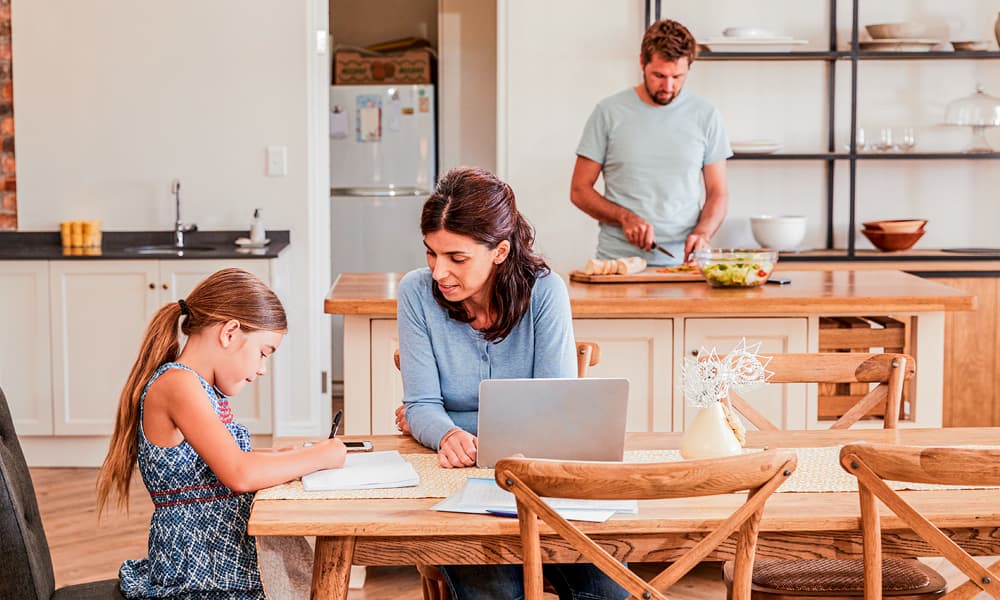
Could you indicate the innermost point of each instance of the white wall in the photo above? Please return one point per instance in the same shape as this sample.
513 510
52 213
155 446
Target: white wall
555 61
468 84
115 98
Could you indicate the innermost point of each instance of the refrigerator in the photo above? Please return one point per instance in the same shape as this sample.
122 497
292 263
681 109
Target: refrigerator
383 165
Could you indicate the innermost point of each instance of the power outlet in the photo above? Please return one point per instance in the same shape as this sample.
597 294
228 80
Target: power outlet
277 161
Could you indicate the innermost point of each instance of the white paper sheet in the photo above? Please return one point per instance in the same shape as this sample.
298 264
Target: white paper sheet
364 470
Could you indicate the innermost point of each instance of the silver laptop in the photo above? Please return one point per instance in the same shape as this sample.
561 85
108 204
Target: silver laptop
568 419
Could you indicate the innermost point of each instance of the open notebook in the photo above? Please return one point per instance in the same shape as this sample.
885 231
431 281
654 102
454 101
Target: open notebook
364 470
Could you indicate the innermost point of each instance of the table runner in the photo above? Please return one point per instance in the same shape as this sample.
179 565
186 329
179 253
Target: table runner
818 470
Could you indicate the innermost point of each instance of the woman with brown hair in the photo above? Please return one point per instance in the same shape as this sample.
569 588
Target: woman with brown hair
174 420
486 307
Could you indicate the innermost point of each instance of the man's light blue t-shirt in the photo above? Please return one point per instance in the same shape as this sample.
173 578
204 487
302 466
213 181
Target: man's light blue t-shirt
653 158
443 360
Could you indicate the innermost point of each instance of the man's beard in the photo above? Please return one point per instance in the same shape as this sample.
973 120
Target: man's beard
655 99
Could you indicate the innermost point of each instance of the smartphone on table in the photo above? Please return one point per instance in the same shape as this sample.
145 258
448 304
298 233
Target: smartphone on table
362 446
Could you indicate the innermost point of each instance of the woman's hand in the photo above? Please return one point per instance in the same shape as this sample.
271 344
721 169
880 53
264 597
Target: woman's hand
458 449
401 423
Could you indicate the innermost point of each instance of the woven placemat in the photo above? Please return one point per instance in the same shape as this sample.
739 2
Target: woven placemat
818 471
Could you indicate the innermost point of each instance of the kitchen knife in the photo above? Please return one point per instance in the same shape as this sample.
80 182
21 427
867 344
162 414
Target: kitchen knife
662 249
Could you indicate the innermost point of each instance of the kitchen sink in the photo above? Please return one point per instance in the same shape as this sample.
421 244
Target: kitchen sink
168 249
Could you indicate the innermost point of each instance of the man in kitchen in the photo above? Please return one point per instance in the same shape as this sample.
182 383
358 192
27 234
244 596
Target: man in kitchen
655 144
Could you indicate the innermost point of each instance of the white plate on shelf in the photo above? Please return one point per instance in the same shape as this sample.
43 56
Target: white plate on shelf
898 45
756 147
730 44
248 243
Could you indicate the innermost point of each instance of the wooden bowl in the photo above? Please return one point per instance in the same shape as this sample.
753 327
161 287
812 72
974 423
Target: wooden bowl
896 225
888 241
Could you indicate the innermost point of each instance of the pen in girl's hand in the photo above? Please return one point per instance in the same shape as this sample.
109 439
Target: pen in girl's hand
335 426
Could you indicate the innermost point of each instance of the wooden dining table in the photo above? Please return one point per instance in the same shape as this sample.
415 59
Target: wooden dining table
794 525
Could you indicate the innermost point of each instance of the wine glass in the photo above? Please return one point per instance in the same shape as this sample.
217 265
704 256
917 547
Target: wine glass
907 139
885 143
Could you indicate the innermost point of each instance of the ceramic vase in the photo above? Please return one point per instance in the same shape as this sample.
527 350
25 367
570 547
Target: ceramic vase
709 435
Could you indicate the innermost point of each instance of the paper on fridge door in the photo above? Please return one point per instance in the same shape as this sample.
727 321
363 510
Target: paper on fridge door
369 117
338 124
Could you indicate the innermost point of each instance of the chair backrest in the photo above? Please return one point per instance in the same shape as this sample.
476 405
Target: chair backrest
588 354
872 464
25 563
531 479
889 371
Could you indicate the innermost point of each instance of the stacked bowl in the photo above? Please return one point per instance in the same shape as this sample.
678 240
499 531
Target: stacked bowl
894 235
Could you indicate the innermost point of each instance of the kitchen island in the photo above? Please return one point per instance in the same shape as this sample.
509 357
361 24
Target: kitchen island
646 329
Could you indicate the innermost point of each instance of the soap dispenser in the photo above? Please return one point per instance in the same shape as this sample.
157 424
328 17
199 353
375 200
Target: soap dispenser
257 235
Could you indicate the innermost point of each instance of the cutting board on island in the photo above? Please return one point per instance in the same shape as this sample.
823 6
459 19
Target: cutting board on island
649 275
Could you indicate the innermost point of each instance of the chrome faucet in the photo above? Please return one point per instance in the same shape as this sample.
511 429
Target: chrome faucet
179 227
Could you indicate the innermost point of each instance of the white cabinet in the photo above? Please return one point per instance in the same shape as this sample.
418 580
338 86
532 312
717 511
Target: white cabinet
25 368
387 385
784 405
100 310
640 350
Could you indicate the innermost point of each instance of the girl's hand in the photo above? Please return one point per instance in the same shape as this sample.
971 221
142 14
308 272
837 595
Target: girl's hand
333 453
458 449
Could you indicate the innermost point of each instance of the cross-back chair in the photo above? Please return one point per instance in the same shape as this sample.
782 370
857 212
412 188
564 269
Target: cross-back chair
872 464
889 371
907 579
25 563
530 480
432 582
588 354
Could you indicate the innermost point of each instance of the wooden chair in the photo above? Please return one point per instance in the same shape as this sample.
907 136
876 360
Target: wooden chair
529 480
889 371
840 579
25 563
432 582
874 463
588 354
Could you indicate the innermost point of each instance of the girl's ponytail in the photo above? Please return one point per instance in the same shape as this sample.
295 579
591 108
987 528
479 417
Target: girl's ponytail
159 345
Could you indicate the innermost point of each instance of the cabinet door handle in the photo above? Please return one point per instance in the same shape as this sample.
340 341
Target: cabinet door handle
166 287
152 286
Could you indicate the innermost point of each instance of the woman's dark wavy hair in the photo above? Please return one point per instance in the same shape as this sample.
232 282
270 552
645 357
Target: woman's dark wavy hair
474 202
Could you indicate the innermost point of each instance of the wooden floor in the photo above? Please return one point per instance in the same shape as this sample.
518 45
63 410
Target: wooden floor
83 552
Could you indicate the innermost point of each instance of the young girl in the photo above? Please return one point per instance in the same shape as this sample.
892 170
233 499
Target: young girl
174 420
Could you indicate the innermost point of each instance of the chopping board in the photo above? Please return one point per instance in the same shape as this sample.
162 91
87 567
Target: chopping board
650 275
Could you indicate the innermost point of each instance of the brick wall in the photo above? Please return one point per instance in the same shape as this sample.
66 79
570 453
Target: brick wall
8 180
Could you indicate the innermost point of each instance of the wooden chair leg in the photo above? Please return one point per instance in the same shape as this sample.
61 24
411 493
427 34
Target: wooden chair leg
432 583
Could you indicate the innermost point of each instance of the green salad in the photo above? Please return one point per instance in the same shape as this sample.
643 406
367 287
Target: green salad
737 273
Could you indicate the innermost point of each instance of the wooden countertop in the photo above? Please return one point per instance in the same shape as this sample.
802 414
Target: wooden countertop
811 292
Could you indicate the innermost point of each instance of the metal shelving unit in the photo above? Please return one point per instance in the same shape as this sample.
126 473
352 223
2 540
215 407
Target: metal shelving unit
832 56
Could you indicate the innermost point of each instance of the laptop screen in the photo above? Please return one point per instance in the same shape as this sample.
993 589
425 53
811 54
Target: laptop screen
567 419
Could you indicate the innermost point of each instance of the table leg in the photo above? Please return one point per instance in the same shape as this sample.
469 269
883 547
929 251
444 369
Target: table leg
332 567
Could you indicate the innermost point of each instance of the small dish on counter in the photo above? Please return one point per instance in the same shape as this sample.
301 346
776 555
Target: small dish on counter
245 242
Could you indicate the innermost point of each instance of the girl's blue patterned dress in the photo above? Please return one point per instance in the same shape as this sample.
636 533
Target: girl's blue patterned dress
198 542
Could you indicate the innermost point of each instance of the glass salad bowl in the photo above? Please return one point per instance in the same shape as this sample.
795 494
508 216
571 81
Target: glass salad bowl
733 267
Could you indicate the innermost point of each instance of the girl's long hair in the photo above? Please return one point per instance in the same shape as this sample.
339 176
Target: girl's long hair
476 203
222 296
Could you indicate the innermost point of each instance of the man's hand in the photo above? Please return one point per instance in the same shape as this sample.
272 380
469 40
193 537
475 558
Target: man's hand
637 230
692 243
458 449
401 423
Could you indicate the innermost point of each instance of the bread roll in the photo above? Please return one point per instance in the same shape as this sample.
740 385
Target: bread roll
630 265
621 266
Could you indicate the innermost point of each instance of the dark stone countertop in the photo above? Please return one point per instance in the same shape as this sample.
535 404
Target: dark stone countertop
47 245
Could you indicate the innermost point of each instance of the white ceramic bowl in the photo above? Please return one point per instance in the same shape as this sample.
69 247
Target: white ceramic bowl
778 232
